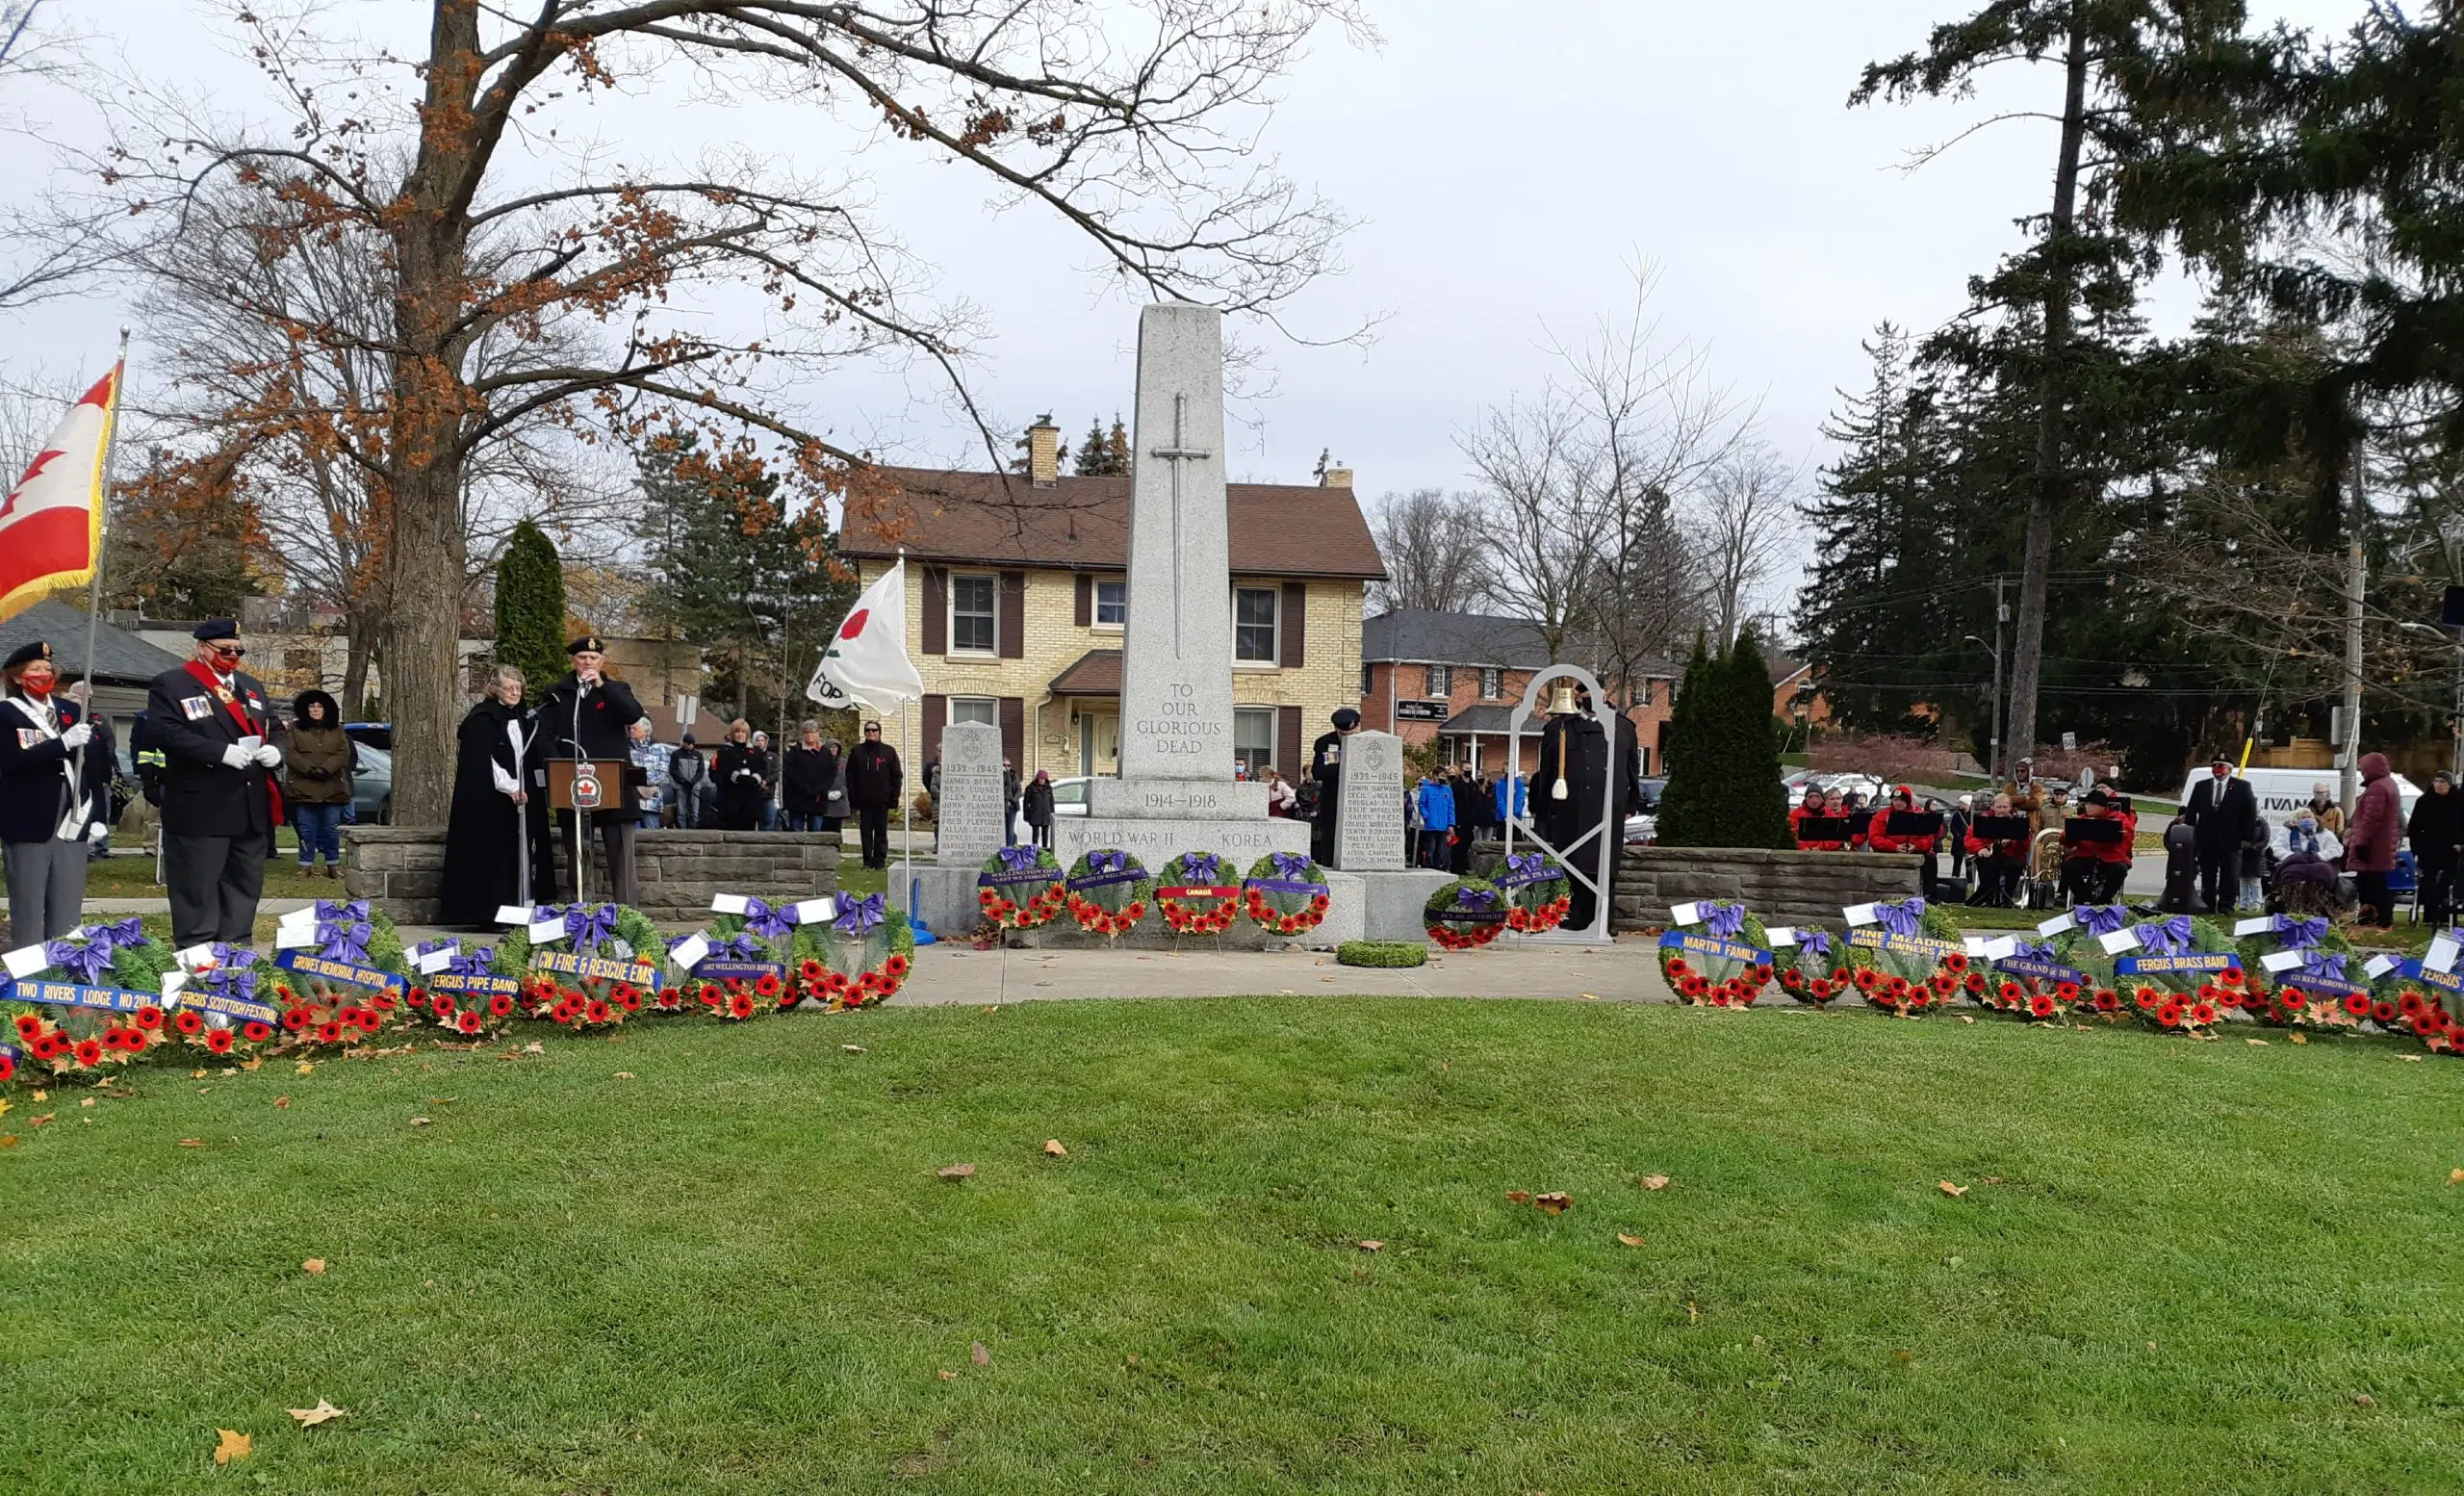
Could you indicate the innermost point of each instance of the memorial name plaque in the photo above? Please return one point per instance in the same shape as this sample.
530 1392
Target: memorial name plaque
971 806
1369 805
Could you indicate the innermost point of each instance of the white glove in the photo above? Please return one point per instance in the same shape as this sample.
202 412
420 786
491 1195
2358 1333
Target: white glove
76 736
237 757
101 832
270 756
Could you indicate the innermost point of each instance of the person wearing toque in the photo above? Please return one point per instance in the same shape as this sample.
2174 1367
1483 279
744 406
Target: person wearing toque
220 801
53 790
585 716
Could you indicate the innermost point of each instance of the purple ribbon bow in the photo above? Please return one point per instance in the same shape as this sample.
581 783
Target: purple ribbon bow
2167 937
1816 943
121 932
588 929
1203 870
1724 920
478 963
739 947
1525 867
1107 862
344 941
2035 950
1475 898
2299 933
229 977
2327 965
2103 918
83 960
1903 917
770 924
860 914
342 910
1290 864
1018 859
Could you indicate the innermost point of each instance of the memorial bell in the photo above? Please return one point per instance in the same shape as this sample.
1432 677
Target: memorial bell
1561 699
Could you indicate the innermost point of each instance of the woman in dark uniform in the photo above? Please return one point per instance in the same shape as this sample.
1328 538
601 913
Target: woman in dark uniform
49 813
498 812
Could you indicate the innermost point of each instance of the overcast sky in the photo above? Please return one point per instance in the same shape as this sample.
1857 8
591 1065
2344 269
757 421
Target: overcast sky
1508 164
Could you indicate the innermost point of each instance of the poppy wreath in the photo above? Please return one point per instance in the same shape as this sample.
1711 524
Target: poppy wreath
619 953
1193 897
1538 892
2431 1013
467 996
1022 887
1711 968
763 950
1910 961
94 1007
1464 915
2314 995
341 981
1285 893
1108 892
227 1002
865 955
2040 981
2191 998
1816 970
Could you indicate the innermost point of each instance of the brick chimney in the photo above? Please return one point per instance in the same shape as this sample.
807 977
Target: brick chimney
1334 476
1043 453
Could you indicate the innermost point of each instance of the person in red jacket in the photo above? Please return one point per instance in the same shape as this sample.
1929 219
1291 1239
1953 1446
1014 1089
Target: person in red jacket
2093 871
1878 837
1811 810
1999 864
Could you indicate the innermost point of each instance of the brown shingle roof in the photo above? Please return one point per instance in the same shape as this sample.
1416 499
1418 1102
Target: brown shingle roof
1096 673
1082 524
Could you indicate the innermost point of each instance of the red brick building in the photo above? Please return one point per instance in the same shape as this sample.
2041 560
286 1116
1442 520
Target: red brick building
1454 680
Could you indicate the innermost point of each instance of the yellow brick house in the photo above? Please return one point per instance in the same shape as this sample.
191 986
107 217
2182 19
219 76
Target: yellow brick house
1017 593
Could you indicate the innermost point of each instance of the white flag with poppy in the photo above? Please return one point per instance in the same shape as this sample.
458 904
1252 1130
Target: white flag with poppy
867 660
51 523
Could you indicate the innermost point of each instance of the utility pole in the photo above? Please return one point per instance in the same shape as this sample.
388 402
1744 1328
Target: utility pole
2001 617
2356 576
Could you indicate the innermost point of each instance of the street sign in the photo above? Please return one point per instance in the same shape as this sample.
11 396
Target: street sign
687 708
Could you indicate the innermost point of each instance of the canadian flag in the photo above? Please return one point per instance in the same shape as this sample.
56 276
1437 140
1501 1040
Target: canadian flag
51 523
867 660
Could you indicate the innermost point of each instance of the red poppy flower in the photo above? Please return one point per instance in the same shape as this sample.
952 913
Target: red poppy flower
329 1032
711 994
2041 1005
8 1068
298 1019
895 966
50 1047
740 1005
444 1004
1957 961
2107 999
1676 966
809 969
2170 1014
28 1026
255 1032
149 1018
1975 983
114 1037
219 1040
2357 1004
2230 976
2203 1014
769 984
188 1020
597 1010
2410 1002
468 1021
370 1020
2148 997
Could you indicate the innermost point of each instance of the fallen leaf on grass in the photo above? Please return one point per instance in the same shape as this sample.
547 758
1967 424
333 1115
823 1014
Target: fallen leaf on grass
948 1375
37 1121
45 1095
2364 1400
1052 1146
85 1101
1518 1197
1372 1246
323 1412
1693 1315
419 1121
2456 1176
957 1171
1902 1355
282 1101
853 1049
234 1446
1623 1240
1555 1202
313 1265
534 1047
991 1007
2410 1059
976 1353
622 1076
2261 1043
2300 1038
1653 1182
303 1067
1992 1178
1592 996
191 1142
1953 1190
1966 1018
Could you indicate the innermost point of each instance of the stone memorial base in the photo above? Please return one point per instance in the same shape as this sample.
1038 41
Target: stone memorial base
1782 887
399 868
1167 799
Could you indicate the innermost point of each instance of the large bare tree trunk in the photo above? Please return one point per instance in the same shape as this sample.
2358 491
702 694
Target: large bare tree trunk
2052 486
423 688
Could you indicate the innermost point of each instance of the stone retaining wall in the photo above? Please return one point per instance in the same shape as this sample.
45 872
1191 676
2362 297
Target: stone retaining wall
1782 887
399 868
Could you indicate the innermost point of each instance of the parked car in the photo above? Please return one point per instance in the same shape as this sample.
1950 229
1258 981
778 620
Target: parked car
1652 789
1641 830
1069 795
376 734
372 784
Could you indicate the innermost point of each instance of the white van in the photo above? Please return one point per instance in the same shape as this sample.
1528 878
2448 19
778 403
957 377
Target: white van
2282 791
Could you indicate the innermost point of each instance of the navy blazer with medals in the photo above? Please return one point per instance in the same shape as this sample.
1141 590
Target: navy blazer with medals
203 796
34 768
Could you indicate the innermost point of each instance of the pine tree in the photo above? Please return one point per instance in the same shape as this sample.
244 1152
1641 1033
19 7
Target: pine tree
1754 814
530 606
1104 454
1685 812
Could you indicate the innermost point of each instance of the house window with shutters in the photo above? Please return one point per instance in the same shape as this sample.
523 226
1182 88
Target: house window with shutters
1111 604
1492 684
1254 620
972 610
985 709
1441 679
1253 730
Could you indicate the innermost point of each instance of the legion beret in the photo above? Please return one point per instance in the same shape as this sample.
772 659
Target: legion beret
588 641
1346 717
27 653
217 629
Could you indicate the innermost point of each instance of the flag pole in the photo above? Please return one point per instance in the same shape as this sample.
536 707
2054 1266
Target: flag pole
907 809
95 583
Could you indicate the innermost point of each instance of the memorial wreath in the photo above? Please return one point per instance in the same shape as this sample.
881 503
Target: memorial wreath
91 999
338 974
1904 957
1464 915
2178 974
581 965
1108 890
461 990
1195 897
1813 965
1022 887
1538 892
1724 964
1285 894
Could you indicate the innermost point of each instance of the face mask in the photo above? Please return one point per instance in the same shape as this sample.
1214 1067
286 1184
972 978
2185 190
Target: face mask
37 689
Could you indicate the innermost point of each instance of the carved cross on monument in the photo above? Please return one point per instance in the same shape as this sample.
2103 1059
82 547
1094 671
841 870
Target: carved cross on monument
1179 453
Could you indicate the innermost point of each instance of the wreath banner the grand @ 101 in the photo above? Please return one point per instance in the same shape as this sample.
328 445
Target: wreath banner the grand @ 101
1108 889
95 1000
1196 896
2037 979
1022 887
1724 962
1538 893
1285 893
339 975
581 965
1465 914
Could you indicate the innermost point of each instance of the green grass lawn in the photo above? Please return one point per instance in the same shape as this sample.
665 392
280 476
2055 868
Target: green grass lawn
731 1268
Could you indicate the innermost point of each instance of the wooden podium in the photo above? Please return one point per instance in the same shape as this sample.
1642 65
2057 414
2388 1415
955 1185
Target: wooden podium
589 786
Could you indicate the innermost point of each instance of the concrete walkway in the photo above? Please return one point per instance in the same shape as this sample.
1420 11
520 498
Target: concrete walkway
1622 971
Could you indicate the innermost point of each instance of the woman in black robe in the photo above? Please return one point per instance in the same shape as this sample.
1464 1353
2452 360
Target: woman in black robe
495 791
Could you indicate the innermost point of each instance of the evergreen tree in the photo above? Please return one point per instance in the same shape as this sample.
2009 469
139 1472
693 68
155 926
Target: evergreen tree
757 588
1686 813
530 607
1754 813
1104 454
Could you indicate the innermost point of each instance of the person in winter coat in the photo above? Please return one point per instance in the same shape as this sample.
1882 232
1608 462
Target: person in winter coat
687 771
1999 863
2223 812
2369 846
1436 803
874 780
1009 804
744 780
1038 803
316 779
1878 837
1812 809
1513 794
804 783
499 847
47 790
1467 821
1282 800
2437 833
2329 815
2092 872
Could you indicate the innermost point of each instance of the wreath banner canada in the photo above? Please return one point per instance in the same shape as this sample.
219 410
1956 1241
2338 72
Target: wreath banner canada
1194 897
1285 893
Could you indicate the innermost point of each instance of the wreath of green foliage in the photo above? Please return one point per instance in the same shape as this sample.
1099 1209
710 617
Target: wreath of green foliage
1381 953
634 931
1143 889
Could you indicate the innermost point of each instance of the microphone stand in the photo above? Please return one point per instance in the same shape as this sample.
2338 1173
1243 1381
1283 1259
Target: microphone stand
521 819
581 814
